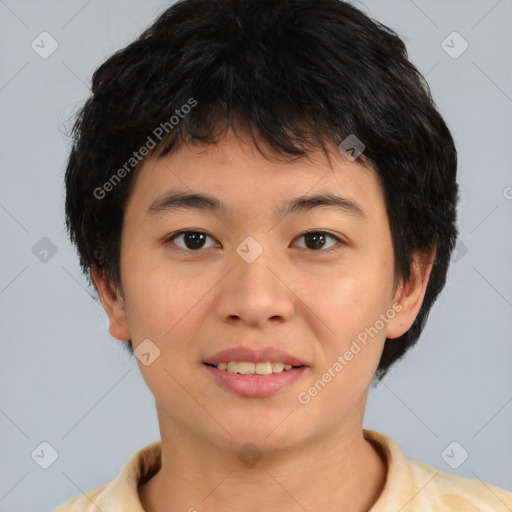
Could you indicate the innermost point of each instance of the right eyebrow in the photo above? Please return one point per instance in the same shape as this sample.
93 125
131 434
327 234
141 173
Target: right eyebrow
173 201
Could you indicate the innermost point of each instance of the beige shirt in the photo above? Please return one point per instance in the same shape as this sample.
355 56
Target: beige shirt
410 486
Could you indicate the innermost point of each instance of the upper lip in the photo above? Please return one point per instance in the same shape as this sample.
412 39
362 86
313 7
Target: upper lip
260 355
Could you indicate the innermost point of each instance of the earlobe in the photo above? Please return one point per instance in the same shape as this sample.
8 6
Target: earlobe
113 304
411 293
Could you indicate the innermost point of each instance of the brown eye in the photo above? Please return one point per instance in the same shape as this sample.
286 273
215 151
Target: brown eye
190 240
316 240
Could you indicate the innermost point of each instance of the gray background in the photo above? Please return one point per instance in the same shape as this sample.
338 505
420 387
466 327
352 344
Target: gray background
65 381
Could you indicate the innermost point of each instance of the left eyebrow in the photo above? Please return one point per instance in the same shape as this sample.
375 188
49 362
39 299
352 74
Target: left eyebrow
177 200
326 199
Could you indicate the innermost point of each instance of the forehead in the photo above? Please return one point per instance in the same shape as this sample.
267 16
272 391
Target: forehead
243 180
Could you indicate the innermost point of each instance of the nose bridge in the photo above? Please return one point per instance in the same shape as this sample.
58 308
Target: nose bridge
254 291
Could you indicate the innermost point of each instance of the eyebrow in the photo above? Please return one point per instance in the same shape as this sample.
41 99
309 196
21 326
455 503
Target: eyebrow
174 201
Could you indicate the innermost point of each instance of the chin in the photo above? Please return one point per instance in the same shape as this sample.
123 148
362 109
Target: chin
269 435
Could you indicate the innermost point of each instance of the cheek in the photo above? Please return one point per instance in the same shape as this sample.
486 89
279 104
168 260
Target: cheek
165 307
160 300
351 307
351 298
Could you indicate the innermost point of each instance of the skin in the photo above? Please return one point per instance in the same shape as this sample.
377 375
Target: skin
307 302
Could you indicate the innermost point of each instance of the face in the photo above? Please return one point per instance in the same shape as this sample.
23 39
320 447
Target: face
311 285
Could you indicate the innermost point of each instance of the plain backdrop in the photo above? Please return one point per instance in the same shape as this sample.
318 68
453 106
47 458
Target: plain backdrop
64 381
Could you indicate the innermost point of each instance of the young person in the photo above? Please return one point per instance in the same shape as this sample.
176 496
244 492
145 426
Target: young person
264 196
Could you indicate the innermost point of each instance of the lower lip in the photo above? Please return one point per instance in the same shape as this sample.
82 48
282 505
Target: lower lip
256 385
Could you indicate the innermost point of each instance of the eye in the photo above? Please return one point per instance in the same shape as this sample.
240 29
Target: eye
316 240
192 240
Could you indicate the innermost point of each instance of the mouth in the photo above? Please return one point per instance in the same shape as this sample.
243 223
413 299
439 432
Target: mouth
256 373
261 369
260 361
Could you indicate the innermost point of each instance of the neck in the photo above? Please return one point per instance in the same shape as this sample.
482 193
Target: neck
341 471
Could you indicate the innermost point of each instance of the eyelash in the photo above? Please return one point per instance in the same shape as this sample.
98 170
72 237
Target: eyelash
172 237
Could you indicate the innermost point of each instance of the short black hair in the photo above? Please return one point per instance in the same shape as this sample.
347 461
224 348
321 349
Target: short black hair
296 74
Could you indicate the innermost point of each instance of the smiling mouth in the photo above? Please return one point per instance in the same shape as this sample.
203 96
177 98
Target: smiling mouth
248 368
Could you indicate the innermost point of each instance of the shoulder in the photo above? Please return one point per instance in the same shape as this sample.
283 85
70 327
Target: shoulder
86 502
447 492
412 486
122 492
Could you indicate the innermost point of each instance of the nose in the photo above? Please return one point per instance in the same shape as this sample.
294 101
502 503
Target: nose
256 293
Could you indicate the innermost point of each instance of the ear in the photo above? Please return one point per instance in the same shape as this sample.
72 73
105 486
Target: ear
113 304
411 293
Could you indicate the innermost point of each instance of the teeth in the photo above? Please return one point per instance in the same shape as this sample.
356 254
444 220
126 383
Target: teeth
264 368
278 367
232 367
247 368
